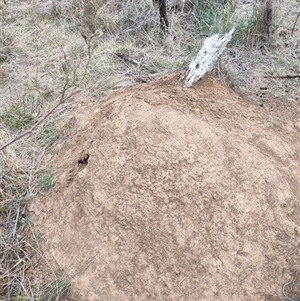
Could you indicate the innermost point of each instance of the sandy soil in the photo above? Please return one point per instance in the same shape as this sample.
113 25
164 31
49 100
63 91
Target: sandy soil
168 193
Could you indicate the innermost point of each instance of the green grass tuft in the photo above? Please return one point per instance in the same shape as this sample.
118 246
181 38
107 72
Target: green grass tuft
16 118
55 291
47 181
215 16
49 136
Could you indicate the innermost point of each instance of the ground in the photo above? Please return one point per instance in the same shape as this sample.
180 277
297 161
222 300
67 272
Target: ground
160 192
167 193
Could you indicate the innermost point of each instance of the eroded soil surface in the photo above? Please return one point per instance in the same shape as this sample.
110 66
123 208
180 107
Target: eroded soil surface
168 193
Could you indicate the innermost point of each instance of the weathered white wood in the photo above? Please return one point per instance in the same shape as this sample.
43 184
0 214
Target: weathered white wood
206 57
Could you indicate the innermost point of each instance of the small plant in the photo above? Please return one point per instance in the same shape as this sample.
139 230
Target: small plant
215 16
49 135
4 76
6 46
47 182
297 230
16 117
55 291
271 123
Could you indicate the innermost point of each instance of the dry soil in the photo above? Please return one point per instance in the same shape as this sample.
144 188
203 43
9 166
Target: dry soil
168 193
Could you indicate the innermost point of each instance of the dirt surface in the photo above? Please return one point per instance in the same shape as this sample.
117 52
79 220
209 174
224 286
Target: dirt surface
168 193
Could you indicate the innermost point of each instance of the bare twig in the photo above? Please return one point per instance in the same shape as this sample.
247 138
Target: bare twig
295 23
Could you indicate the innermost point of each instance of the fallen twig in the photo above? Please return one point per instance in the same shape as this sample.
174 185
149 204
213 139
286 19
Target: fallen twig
133 61
283 76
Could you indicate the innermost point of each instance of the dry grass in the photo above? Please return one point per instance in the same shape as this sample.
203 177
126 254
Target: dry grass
44 51
250 68
260 28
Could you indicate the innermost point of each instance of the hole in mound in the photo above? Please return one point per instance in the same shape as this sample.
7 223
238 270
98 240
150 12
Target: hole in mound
83 160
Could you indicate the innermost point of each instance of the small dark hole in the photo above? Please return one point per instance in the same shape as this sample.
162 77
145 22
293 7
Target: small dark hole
84 160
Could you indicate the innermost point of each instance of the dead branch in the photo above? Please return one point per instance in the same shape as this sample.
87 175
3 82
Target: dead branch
164 23
206 57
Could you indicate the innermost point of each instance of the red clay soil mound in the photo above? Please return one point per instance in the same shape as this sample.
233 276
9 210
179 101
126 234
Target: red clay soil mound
168 193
